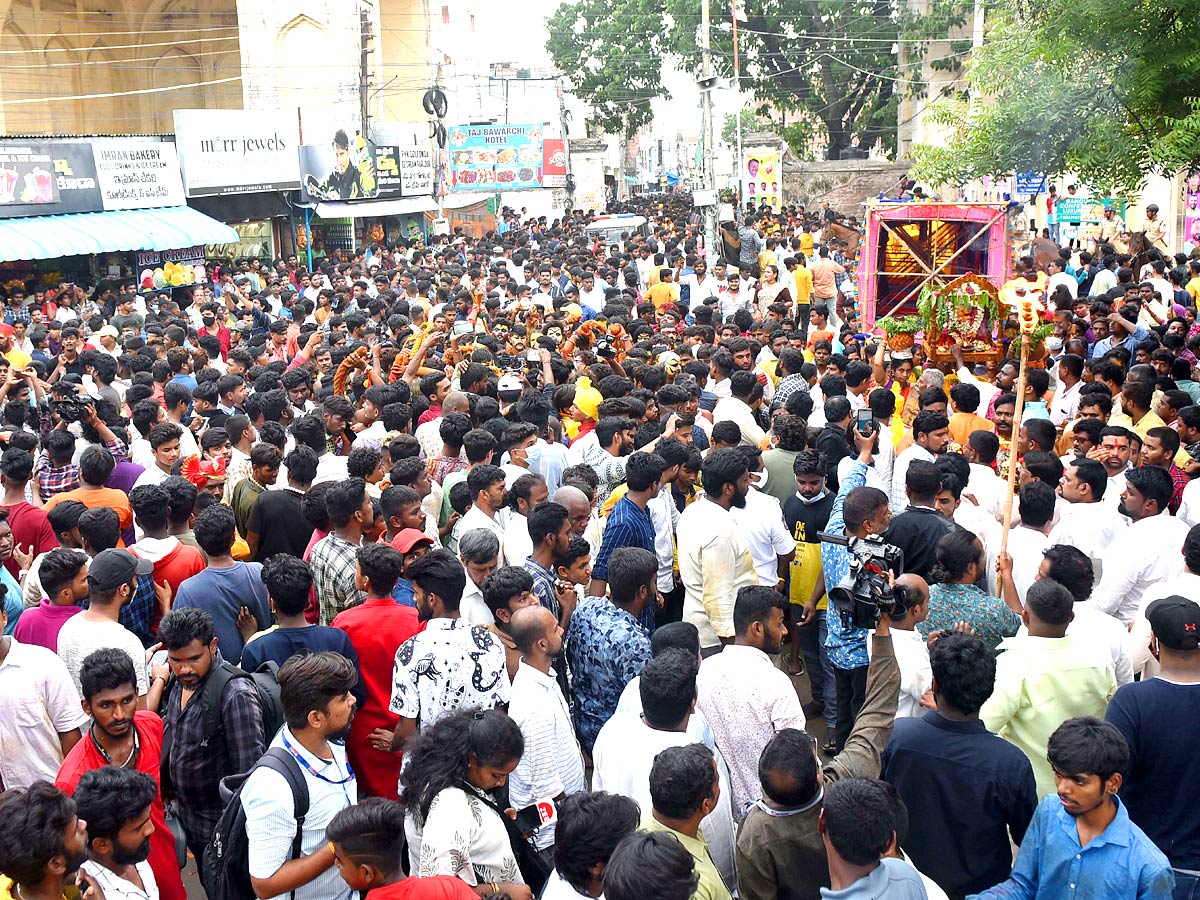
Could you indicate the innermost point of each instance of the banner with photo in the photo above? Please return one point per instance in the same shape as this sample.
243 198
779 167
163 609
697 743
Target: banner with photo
495 157
762 178
1191 213
342 168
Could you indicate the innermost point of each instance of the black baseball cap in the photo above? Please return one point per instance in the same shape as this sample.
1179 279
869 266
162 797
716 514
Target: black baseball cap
110 569
1175 621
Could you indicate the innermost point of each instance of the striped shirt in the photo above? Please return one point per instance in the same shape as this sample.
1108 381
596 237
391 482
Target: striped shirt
629 525
552 763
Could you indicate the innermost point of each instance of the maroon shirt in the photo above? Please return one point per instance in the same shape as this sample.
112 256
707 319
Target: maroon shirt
31 529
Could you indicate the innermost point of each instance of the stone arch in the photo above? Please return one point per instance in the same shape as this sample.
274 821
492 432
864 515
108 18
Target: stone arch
175 67
302 38
62 77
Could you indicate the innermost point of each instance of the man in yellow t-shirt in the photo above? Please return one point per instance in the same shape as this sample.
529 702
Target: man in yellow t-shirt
663 292
17 359
1193 285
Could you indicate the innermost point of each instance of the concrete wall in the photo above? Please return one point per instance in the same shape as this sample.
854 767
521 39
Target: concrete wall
844 184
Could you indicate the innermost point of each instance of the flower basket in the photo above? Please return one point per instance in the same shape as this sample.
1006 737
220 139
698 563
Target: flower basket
964 313
901 332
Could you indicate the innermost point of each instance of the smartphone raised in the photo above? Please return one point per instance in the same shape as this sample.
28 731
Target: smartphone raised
864 421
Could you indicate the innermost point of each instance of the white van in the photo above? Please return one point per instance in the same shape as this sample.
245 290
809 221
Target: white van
610 228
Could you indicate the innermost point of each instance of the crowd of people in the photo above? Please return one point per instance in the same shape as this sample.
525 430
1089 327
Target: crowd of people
535 566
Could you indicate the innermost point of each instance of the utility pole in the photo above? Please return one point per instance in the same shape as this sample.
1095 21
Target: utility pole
566 137
737 87
710 169
364 72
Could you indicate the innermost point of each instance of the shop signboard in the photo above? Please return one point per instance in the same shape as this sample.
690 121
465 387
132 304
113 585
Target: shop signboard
237 151
160 270
495 157
27 175
75 188
554 162
342 168
762 177
403 159
137 174
1087 210
1030 184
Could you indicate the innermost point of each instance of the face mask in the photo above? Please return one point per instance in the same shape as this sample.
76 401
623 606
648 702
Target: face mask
809 501
1054 343
758 479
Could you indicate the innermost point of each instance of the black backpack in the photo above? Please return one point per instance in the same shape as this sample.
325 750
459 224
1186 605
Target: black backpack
266 682
225 868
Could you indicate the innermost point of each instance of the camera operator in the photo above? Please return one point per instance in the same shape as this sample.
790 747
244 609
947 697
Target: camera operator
857 512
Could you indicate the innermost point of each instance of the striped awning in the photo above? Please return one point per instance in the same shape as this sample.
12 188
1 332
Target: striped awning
76 234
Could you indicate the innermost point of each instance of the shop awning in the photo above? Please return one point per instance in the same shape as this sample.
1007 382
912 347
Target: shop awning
376 208
76 234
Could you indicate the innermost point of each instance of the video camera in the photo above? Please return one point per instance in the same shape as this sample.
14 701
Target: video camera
76 408
865 592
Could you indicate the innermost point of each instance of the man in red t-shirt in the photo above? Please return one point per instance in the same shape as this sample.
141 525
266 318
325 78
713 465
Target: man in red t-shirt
30 527
122 735
376 627
368 843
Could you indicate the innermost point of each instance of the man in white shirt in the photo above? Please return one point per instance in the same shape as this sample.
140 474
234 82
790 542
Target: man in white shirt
772 547
626 746
479 551
35 690
115 802
1065 405
1185 584
1088 523
742 694
309 747
112 579
487 504
1058 275
551 768
714 556
590 295
736 408
1072 569
1145 553
590 825
735 297
524 494
911 648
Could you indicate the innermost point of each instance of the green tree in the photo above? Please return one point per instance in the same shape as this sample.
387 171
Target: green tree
1107 92
833 60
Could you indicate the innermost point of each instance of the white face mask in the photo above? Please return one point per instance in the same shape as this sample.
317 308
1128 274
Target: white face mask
1054 343
758 479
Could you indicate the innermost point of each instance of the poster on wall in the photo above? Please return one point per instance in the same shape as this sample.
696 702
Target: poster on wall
237 151
137 174
762 178
404 171
1191 212
343 168
554 162
495 157
160 270
27 175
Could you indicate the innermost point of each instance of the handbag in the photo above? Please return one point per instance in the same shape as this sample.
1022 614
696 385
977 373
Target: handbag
534 868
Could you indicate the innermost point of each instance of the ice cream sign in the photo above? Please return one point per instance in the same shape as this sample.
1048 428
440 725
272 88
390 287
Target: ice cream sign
27 175
164 269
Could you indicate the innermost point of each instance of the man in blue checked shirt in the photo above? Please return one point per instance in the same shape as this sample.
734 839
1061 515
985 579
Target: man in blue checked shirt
629 523
857 512
1081 843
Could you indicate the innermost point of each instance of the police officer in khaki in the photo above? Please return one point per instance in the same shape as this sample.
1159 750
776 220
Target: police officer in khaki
1111 227
1156 229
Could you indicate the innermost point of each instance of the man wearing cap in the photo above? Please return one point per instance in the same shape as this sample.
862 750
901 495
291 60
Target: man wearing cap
108 340
17 359
1111 226
112 580
1155 229
411 544
1160 719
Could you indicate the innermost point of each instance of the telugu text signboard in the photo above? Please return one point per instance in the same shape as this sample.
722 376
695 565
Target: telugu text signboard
495 157
137 174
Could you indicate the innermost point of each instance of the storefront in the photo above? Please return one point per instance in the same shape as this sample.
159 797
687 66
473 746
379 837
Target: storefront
240 167
77 210
381 196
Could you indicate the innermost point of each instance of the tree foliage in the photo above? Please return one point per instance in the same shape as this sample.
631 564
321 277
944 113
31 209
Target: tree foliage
1109 92
832 60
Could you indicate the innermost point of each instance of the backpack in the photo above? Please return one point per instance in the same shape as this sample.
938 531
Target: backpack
266 683
225 868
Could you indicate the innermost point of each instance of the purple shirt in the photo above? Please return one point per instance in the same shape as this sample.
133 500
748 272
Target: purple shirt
42 624
123 476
